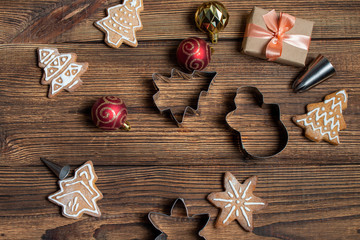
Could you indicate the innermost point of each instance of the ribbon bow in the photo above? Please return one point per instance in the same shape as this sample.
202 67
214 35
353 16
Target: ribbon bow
276 32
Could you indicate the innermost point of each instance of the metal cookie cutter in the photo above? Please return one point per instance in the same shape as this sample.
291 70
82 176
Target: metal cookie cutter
162 221
157 78
275 112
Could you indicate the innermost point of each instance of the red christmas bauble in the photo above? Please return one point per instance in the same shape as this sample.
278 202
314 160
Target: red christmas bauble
193 54
109 113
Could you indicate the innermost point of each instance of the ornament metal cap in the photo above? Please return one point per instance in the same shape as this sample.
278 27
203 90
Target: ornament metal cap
60 171
319 70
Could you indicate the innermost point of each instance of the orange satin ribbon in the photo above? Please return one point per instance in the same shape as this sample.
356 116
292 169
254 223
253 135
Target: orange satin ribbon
278 26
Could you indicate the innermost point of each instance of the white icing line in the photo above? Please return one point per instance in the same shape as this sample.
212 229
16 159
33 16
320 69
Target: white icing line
247 209
59 67
237 212
64 195
82 183
229 193
75 202
84 173
51 58
127 8
66 80
228 205
245 216
222 200
343 93
233 188
120 24
254 203
247 187
247 199
72 85
333 105
228 216
76 207
50 54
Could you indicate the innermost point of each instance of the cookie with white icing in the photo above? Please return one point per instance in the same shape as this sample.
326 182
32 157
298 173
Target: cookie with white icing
324 120
122 22
61 71
237 202
79 195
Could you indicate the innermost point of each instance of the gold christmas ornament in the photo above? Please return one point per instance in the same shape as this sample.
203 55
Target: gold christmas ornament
212 17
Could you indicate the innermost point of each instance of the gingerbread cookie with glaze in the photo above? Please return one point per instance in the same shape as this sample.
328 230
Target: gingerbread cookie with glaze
79 194
237 202
122 22
61 71
324 120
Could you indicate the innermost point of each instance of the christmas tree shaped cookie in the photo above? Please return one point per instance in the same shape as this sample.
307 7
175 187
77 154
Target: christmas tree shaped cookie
324 120
61 71
79 194
122 22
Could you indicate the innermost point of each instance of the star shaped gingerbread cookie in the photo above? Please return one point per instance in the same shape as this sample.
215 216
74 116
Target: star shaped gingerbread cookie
237 202
79 194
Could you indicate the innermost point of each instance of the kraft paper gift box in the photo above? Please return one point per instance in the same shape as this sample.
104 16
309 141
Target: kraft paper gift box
294 46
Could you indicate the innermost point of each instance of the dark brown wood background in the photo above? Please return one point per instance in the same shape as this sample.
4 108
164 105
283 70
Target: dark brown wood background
313 189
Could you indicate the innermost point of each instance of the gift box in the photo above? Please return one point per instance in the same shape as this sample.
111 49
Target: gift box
277 37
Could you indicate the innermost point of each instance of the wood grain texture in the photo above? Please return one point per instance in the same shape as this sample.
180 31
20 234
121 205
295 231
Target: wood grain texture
312 188
61 128
303 201
56 21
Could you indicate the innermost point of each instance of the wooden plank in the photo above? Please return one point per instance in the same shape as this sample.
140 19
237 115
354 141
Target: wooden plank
72 21
314 198
34 126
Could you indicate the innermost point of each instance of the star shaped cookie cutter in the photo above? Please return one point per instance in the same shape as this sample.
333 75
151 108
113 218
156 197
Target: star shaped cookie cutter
275 112
188 109
155 217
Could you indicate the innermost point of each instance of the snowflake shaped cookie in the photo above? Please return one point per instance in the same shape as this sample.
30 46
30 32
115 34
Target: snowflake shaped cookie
78 195
237 202
122 22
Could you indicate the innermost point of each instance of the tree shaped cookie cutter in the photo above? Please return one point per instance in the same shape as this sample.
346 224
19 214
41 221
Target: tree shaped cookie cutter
276 114
188 109
155 216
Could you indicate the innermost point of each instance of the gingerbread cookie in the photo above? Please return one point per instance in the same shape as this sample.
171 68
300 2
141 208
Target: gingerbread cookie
61 71
324 120
122 22
78 195
237 202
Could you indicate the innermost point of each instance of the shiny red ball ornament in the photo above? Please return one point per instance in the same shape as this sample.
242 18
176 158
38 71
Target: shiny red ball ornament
193 54
109 113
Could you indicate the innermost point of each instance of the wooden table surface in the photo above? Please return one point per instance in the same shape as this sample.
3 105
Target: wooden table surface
313 189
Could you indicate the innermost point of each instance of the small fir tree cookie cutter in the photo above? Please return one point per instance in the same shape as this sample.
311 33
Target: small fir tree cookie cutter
276 114
188 109
155 217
